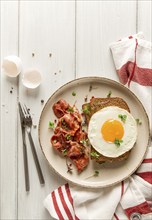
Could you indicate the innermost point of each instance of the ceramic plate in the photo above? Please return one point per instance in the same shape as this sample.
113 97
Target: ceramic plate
109 174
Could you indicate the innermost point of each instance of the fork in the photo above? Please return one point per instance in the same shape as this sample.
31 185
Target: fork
28 125
26 170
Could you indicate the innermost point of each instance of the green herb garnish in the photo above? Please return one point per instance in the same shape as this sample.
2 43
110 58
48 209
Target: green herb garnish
70 109
117 142
63 122
74 93
123 118
138 121
109 94
96 173
95 155
84 142
86 110
51 124
68 137
64 152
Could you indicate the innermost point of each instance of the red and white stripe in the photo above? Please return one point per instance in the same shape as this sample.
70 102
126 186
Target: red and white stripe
142 208
128 198
135 64
145 170
61 204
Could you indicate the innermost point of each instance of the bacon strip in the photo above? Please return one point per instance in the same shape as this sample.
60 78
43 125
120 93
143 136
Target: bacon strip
68 138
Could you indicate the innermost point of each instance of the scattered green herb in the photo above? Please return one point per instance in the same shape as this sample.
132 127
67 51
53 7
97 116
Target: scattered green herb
68 137
117 142
95 155
84 142
96 173
109 94
138 121
63 122
86 110
70 109
51 124
123 118
64 152
74 93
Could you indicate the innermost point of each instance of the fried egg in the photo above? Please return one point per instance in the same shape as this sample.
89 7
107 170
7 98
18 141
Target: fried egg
112 131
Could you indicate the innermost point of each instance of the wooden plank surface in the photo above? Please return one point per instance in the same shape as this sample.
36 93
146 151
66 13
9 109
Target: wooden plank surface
64 40
8 150
47 30
99 23
145 18
144 24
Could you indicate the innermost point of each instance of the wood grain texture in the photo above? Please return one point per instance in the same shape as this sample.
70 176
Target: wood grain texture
99 23
144 24
8 150
64 40
145 18
47 43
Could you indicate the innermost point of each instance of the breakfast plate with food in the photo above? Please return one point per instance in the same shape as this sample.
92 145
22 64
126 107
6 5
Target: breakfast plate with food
94 132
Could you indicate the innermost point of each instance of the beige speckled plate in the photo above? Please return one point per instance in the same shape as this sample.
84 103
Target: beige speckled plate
109 174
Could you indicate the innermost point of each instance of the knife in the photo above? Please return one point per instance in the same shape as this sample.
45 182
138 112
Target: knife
26 170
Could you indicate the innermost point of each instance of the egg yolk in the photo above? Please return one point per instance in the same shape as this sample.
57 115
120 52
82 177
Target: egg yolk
111 130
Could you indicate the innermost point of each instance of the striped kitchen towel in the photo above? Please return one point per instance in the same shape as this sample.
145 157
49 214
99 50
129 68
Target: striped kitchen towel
132 197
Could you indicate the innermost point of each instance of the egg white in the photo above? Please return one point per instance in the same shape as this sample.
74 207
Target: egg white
95 136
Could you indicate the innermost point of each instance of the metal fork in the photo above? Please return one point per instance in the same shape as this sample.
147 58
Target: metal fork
26 170
28 125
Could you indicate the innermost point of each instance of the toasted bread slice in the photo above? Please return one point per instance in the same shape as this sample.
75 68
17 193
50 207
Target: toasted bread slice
99 158
95 105
98 103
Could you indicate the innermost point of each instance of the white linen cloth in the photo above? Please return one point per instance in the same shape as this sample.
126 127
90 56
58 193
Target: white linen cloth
132 198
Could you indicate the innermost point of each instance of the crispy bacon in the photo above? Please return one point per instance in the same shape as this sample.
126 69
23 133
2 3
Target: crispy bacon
81 162
68 136
80 136
75 151
68 124
58 141
60 108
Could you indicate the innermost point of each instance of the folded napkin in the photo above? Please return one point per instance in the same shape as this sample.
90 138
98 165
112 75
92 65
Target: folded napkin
133 61
132 198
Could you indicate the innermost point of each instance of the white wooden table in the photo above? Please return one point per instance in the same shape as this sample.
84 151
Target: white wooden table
64 40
